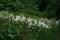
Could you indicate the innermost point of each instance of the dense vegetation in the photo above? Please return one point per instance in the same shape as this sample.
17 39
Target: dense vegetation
44 8
12 28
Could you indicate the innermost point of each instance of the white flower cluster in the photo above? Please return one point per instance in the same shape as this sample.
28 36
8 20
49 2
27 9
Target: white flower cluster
41 22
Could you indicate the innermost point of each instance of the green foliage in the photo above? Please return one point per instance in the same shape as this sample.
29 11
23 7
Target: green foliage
12 30
33 7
